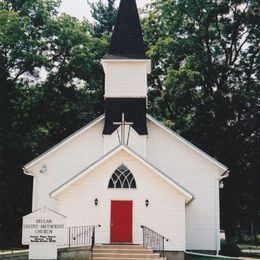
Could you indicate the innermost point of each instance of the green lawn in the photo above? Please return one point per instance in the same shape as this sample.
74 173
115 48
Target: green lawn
195 256
249 246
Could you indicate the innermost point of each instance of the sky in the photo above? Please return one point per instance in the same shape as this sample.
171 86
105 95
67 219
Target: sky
80 8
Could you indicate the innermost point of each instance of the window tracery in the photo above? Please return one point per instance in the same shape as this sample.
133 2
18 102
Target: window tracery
122 178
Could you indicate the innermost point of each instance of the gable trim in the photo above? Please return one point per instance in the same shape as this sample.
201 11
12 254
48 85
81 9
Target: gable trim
189 196
60 144
161 174
83 172
44 208
186 142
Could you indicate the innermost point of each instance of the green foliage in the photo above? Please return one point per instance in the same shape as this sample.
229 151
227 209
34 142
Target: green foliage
51 83
104 16
205 85
230 249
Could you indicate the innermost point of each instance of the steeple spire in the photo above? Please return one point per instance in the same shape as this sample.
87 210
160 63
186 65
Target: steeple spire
127 39
126 68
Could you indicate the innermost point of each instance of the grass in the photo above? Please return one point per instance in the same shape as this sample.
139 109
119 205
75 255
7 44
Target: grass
249 246
196 256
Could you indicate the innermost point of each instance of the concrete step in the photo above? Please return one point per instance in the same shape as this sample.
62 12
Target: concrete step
120 246
125 258
126 255
124 252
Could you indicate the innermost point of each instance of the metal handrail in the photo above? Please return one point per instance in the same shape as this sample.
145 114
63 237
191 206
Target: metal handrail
93 240
81 235
154 240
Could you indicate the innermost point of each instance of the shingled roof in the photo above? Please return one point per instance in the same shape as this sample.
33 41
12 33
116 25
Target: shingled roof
127 39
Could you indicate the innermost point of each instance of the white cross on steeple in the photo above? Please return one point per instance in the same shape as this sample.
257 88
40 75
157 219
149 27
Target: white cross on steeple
123 124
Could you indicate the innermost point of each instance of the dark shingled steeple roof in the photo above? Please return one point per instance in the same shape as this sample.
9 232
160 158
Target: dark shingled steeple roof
127 39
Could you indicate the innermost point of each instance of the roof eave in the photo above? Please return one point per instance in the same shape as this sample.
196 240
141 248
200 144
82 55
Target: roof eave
124 57
27 166
28 172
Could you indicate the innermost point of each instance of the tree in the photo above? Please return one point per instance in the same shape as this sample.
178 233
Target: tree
104 16
205 85
51 84
19 55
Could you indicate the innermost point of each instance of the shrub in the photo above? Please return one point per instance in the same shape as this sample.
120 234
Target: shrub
230 249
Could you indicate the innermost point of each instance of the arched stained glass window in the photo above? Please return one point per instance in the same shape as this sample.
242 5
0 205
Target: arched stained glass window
122 178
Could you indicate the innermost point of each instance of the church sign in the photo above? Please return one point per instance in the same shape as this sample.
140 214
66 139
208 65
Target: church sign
43 231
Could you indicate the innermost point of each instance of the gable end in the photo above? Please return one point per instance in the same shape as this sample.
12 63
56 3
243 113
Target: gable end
187 143
27 166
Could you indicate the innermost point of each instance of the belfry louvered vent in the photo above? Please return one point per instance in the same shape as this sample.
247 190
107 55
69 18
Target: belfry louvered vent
122 178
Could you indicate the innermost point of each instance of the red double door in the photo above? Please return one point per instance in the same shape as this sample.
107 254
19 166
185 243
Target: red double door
121 221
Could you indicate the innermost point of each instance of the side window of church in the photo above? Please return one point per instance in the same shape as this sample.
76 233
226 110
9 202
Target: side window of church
122 178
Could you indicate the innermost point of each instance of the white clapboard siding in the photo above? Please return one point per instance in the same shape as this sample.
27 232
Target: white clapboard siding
165 213
64 163
126 78
196 174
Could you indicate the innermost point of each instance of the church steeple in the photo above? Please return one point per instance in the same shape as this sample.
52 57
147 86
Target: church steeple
126 67
127 39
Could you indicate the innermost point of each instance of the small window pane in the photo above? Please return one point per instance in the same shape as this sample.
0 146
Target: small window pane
118 185
130 177
125 185
122 178
111 184
133 184
122 168
114 177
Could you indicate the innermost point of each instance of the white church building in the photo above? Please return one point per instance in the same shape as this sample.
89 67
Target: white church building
125 169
